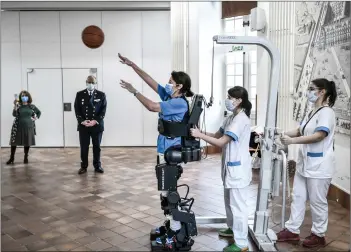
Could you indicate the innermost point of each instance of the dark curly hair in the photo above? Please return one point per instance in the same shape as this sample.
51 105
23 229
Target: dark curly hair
25 93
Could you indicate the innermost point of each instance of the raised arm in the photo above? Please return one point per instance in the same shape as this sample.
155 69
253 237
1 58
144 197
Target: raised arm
143 75
15 107
14 111
147 78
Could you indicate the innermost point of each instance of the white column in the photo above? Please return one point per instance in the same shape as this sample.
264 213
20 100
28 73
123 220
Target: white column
263 71
179 35
281 31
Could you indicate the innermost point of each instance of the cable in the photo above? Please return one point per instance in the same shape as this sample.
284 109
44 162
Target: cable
205 150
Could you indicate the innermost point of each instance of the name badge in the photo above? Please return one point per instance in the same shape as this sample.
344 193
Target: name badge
96 100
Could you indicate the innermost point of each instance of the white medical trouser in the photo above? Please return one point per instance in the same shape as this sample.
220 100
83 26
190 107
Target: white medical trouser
174 225
316 191
237 214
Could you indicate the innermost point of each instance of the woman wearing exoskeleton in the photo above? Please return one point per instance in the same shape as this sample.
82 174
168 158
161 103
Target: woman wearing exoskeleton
315 165
173 107
234 138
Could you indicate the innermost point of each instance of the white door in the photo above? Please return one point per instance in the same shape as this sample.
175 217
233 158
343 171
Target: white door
45 86
73 81
124 115
156 62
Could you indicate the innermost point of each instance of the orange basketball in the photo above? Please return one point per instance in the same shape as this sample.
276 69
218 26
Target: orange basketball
93 37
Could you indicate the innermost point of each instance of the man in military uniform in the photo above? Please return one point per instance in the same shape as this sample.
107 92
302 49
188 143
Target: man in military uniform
90 108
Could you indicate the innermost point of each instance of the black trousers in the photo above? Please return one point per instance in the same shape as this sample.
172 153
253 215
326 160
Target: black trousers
84 139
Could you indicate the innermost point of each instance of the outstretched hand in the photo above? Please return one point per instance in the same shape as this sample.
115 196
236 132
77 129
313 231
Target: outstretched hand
195 132
128 86
125 60
286 140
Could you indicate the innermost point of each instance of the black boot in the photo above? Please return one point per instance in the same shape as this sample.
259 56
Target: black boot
26 150
12 157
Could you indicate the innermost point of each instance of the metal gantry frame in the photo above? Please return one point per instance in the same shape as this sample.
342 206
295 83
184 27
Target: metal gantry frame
263 237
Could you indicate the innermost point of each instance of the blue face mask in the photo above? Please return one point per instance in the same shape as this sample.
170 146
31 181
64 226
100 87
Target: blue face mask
169 89
24 98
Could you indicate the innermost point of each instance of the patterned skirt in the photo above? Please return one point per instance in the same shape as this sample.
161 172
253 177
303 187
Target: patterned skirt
25 136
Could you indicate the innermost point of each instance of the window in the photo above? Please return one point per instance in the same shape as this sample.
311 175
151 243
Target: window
236 61
235 69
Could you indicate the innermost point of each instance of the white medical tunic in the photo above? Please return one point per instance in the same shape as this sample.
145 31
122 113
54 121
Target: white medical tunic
236 161
317 160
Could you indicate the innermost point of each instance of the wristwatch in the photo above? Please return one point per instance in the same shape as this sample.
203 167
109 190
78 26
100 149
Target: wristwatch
136 92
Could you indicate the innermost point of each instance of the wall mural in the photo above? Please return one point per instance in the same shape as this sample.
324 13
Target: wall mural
323 51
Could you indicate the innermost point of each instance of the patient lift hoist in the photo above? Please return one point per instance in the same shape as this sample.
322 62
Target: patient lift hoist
272 171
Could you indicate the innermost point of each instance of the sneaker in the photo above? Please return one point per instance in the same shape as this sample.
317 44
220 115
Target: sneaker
226 232
285 235
167 240
234 248
313 241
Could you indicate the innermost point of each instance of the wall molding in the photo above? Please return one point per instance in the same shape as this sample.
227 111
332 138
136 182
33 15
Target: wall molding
83 6
210 149
338 195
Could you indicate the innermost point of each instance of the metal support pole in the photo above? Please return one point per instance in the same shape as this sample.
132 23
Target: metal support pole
284 180
263 237
277 176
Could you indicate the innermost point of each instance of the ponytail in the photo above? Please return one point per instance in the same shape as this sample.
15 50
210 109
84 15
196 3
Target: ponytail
329 87
189 93
184 79
247 106
241 93
331 93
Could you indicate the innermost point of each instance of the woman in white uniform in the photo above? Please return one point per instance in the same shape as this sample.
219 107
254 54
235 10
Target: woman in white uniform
234 138
315 165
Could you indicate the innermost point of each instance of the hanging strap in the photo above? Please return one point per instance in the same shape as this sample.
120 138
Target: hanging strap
303 129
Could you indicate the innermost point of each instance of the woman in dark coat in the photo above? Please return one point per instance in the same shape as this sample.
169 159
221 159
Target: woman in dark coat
23 128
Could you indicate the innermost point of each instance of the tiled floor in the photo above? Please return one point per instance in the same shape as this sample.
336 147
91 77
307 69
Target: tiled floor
47 206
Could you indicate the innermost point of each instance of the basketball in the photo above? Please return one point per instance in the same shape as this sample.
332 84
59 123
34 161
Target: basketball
93 37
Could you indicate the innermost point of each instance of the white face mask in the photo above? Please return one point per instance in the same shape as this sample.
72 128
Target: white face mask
312 97
231 105
90 86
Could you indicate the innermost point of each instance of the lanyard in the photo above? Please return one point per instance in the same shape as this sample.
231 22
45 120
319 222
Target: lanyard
303 129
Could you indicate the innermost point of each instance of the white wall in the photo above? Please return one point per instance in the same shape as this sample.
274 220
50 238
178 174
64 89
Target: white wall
11 74
275 13
53 40
279 36
73 53
205 22
156 61
193 46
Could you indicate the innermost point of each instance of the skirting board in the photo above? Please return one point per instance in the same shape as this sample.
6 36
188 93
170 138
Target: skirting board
339 196
212 149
